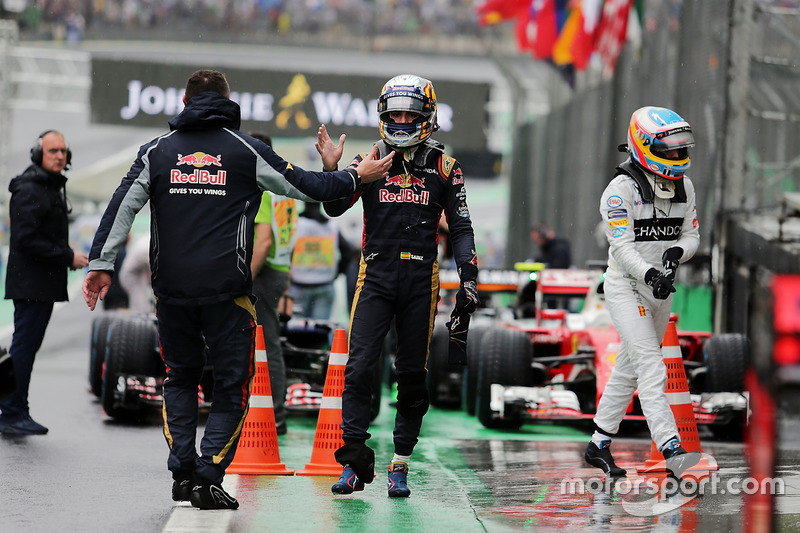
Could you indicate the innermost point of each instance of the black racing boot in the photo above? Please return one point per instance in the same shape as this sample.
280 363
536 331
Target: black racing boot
601 458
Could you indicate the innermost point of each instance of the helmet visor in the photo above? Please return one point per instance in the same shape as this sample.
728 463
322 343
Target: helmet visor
401 101
673 139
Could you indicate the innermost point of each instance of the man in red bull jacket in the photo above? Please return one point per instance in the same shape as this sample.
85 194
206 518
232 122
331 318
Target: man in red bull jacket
399 272
201 230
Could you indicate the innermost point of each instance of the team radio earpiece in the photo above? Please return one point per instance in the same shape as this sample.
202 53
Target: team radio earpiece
37 153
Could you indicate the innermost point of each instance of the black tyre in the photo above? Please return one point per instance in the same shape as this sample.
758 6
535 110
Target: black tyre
469 391
97 351
443 379
505 359
727 356
131 349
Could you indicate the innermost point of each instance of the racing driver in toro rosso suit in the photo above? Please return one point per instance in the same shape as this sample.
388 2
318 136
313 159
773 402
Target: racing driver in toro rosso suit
204 181
399 273
650 221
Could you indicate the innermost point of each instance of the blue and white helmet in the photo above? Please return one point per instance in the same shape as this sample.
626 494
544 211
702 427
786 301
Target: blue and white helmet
652 132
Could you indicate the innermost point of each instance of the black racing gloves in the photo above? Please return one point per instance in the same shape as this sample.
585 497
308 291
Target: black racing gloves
671 259
467 298
467 302
660 283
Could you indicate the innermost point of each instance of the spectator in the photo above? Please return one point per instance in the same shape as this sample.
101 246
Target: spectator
38 259
201 247
276 224
320 255
399 274
553 251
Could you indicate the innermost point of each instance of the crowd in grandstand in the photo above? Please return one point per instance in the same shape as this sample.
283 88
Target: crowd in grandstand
378 17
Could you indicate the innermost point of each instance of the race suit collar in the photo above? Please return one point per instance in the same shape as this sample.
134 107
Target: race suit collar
208 110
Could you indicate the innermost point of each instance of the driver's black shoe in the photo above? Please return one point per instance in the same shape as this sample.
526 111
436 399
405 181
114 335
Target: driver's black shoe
602 459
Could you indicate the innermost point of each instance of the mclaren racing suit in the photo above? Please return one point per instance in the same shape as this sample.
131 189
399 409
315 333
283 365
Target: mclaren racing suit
639 227
204 181
399 278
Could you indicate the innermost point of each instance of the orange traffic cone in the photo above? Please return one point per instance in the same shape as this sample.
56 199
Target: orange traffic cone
680 401
328 437
258 452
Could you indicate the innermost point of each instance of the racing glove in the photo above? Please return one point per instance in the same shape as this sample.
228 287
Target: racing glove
671 259
660 283
466 298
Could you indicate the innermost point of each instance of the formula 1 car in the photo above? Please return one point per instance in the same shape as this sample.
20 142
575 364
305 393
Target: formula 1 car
126 371
555 365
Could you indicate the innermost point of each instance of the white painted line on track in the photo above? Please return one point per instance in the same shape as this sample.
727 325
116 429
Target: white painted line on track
187 519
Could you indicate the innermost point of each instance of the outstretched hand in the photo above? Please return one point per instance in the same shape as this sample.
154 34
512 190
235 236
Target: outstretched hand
329 152
372 169
95 287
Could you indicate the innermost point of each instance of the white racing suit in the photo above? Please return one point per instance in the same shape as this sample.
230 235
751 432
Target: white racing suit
639 227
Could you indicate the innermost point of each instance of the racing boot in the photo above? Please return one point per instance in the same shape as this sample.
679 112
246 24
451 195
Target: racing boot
348 482
398 484
602 459
207 495
677 459
182 485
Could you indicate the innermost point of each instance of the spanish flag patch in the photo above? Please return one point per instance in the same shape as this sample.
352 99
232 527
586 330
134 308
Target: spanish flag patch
641 311
405 255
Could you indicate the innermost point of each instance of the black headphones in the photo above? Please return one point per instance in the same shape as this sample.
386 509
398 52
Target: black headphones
37 154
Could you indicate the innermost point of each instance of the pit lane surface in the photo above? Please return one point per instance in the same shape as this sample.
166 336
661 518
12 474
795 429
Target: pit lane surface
93 474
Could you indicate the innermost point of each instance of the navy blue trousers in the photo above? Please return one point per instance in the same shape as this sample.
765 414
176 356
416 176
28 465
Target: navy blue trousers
228 329
30 323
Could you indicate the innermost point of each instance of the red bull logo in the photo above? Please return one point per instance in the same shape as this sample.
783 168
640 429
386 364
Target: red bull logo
406 196
200 159
406 180
201 177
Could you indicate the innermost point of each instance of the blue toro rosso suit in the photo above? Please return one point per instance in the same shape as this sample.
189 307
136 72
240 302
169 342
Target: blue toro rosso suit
204 181
399 278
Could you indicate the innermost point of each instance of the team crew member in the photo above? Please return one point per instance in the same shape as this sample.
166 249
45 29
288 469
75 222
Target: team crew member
204 181
651 226
39 256
399 272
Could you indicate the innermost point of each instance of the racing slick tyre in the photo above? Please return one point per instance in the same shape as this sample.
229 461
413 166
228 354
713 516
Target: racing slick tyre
442 377
130 350
97 351
505 359
469 390
726 356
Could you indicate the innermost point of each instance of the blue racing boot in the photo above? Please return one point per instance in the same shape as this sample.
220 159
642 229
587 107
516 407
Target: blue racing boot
398 487
348 482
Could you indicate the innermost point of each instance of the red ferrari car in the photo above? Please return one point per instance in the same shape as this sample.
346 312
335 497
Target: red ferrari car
552 360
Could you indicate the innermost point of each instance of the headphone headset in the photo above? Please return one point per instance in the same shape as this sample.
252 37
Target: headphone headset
37 153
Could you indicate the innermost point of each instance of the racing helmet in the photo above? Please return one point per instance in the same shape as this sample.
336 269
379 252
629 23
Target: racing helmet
654 130
407 93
